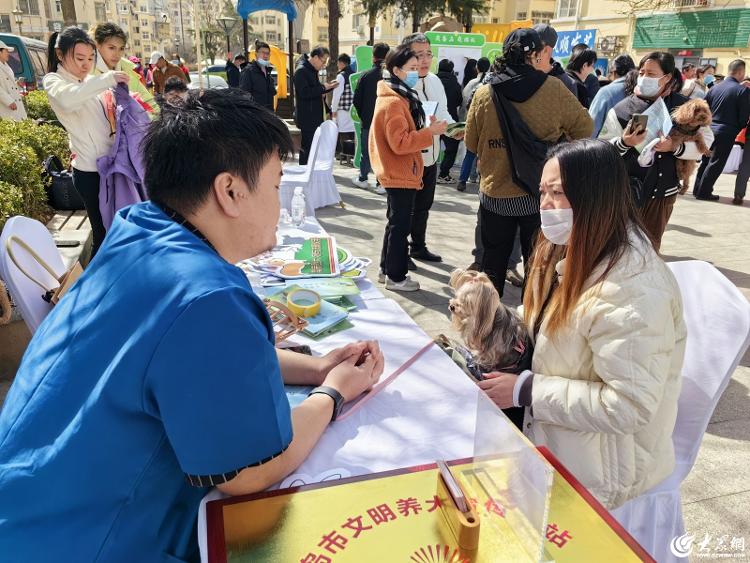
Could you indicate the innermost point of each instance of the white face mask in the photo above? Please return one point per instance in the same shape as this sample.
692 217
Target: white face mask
649 86
557 225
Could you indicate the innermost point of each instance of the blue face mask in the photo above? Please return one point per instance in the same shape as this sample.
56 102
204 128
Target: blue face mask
411 78
263 62
708 79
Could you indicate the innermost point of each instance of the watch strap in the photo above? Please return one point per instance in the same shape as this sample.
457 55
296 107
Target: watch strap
338 398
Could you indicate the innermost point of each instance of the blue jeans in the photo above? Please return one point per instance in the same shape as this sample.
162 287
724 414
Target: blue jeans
469 164
364 161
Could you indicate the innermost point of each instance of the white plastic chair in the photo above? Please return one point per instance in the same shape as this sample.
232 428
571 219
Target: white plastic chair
316 177
27 294
717 316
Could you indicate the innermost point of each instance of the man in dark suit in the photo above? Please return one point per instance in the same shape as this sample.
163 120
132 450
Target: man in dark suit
256 77
730 105
233 69
364 100
308 94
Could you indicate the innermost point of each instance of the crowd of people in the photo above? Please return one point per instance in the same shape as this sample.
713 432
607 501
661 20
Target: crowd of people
602 312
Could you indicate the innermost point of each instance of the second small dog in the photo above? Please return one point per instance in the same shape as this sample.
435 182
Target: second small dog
494 334
688 119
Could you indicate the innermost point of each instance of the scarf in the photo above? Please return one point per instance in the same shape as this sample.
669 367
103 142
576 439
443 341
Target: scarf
415 105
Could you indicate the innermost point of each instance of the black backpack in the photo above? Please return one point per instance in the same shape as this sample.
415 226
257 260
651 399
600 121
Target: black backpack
526 153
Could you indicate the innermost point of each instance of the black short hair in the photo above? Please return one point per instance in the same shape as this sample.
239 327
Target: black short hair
380 51
736 65
175 84
344 58
240 58
261 45
399 57
218 130
622 65
109 30
483 64
581 55
320 51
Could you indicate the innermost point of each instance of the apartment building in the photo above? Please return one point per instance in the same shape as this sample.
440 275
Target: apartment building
505 11
270 26
696 31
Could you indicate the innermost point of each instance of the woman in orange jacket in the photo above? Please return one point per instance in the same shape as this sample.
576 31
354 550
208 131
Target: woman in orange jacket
397 136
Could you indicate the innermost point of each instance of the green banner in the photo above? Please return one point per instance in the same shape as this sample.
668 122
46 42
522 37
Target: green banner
455 39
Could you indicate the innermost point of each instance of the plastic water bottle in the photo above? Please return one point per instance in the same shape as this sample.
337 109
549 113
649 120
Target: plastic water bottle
298 207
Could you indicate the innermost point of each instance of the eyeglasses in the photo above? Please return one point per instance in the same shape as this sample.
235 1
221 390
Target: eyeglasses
424 56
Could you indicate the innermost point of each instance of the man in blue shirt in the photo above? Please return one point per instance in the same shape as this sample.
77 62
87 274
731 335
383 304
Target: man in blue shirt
610 95
157 376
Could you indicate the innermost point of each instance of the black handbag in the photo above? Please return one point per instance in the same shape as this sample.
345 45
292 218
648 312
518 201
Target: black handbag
61 193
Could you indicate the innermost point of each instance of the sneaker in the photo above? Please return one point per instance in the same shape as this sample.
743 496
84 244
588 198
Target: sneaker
364 184
381 276
380 190
406 285
445 179
512 276
461 186
473 179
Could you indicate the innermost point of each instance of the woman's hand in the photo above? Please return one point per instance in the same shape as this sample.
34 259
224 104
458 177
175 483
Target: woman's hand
665 145
121 77
632 138
437 127
499 388
356 373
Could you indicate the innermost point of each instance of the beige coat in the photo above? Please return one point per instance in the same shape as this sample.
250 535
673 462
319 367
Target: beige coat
10 93
605 390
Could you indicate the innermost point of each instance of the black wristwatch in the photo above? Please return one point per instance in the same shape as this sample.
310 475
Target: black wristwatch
338 399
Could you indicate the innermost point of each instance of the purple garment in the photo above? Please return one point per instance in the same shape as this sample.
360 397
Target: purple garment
121 172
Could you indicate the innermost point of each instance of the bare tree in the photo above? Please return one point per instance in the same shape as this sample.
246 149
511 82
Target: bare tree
334 14
373 9
69 12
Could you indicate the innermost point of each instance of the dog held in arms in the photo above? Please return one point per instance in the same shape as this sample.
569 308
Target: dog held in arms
494 334
687 120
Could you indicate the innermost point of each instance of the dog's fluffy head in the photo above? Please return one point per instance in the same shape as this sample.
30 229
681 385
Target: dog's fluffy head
490 329
694 113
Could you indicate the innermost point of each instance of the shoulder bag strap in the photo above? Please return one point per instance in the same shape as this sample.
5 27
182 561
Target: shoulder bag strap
35 256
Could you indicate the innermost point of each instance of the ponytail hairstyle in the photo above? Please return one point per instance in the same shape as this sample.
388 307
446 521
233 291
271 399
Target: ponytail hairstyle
65 41
519 48
667 65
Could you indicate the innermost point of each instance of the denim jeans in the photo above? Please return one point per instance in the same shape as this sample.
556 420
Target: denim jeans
468 166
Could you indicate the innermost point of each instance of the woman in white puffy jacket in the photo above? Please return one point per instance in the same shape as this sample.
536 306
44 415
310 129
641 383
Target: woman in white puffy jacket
609 332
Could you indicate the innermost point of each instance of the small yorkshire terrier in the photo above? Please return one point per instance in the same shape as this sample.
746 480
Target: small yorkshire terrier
494 333
688 119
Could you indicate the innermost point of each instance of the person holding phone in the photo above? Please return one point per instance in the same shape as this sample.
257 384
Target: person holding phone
658 77
400 131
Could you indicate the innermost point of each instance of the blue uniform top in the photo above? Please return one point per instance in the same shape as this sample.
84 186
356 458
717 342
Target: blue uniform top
155 371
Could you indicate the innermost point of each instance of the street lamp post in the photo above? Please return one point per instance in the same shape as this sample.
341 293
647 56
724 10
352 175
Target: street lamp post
227 24
177 45
18 16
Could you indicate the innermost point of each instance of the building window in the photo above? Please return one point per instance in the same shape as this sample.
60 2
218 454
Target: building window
29 7
495 20
101 12
58 6
541 17
323 13
137 42
4 23
272 36
359 20
142 9
691 3
146 35
521 15
322 34
270 20
567 8
124 9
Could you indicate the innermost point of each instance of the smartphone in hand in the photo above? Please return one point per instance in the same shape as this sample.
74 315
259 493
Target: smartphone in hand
638 122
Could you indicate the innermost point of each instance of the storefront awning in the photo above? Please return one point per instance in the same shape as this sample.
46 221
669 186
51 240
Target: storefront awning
709 29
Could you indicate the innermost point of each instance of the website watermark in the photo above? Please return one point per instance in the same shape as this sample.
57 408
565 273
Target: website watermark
710 546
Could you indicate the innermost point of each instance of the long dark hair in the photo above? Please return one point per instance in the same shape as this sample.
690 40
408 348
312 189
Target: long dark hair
667 65
595 181
470 71
397 59
66 40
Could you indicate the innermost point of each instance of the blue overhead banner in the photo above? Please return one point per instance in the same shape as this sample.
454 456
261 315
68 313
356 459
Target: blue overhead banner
246 7
566 40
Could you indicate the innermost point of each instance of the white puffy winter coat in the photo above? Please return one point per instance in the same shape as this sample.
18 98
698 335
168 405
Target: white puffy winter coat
605 389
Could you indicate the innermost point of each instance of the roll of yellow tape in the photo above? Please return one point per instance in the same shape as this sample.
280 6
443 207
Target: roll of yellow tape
303 303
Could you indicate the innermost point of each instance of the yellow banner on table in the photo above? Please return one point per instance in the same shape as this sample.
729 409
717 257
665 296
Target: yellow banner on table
496 32
399 517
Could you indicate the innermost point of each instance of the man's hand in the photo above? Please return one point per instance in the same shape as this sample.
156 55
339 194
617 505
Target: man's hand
331 85
459 135
359 370
634 137
664 145
13 106
499 388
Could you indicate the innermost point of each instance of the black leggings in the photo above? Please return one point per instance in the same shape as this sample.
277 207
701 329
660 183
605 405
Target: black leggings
87 185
